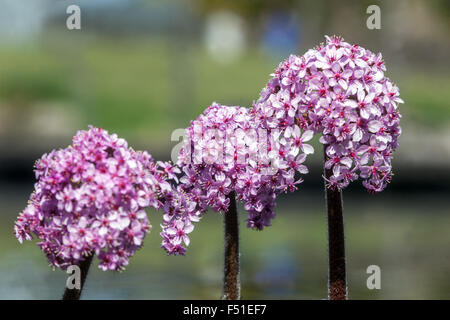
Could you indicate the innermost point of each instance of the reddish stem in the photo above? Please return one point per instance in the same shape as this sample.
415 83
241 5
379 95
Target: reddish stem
337 278
75 294
231 281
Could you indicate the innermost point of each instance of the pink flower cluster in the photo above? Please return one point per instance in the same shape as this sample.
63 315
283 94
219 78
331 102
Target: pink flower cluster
225 153
89 199
340 91
180 212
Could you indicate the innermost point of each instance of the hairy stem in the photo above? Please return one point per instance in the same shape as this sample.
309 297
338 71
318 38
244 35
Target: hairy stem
74 294
337 278
231 281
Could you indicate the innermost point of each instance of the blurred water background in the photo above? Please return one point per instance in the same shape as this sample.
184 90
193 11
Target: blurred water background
143 68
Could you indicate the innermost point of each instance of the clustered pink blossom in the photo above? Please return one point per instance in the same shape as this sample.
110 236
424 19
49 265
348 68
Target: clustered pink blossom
225 154
180 212
90 199
340 91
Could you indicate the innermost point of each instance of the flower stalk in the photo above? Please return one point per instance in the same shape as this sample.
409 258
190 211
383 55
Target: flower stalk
75 294
337 278
231 284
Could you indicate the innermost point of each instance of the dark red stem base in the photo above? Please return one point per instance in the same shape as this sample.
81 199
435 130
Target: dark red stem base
337 278
231 281
74 294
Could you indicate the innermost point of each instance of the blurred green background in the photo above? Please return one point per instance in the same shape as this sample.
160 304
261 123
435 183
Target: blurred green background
144 68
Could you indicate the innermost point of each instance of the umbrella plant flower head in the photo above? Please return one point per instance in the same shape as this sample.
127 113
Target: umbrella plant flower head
90 198
225 153
340 91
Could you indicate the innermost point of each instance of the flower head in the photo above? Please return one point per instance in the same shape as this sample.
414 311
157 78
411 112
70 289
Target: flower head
226 151
340 91
90 198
